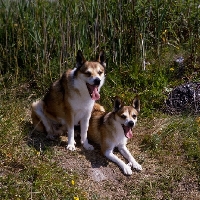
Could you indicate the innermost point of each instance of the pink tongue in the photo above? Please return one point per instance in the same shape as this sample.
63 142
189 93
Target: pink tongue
128 132
93 90
95 94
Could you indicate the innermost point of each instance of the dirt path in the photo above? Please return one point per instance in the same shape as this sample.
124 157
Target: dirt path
102 179
167 177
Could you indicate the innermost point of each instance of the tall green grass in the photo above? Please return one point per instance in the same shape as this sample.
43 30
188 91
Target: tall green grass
39 40
42 35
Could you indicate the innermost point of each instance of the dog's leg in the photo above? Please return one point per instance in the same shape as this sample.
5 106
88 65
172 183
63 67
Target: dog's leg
70 129
126 169
132 162
38 109
84 128
37 123
71 142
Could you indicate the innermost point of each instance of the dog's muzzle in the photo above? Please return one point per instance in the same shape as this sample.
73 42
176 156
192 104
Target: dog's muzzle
128 129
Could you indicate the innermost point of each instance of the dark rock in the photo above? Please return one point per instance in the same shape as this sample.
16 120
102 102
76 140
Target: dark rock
184 98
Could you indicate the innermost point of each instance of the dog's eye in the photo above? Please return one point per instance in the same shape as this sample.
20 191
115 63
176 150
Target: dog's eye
100 72
88 73
134 116
123 116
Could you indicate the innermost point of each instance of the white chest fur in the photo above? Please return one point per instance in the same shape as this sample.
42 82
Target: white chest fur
82 110
119 136
80 100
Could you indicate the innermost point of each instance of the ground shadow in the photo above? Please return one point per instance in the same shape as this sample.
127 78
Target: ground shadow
95 157
36 139
39 142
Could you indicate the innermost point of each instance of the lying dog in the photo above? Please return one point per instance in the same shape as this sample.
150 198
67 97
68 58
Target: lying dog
113 129
70 101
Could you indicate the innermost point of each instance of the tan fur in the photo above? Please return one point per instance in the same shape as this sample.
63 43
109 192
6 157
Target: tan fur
106 129
69 102
98 107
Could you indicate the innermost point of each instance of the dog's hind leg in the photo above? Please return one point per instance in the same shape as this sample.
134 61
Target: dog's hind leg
37 123
37 109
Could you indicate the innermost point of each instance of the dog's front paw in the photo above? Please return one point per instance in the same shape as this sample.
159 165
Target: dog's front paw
88 146
135 165
127 170
71 147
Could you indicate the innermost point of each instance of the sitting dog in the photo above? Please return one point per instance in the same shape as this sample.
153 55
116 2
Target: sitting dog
70 101
112 129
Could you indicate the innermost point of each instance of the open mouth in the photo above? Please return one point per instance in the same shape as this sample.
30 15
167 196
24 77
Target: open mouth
127 131
93 91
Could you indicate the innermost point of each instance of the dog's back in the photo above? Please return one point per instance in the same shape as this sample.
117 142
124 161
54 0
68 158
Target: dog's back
95 124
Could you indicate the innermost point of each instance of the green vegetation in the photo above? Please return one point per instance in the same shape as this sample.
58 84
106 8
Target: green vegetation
38 42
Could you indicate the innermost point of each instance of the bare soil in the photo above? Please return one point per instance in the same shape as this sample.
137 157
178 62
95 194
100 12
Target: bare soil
99 178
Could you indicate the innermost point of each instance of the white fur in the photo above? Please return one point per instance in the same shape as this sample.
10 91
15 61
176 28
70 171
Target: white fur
120 142
38 108
82 108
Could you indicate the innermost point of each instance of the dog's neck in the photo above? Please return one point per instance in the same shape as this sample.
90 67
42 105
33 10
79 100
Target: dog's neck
80 87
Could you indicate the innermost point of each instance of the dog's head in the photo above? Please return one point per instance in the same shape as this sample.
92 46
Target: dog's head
92 73
127 115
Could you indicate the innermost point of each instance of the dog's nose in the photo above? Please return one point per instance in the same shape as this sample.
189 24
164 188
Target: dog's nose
97 81
131 123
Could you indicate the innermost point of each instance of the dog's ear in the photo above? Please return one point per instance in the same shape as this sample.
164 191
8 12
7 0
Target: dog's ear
102 58
79 59
117 104
136 103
